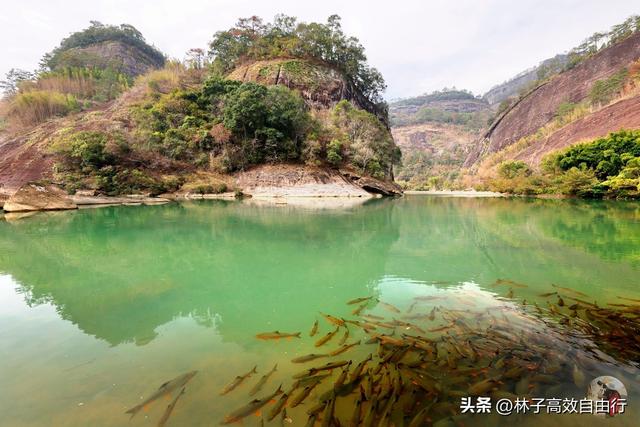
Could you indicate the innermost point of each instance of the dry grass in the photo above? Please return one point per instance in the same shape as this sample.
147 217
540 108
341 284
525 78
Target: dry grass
34 107
80 86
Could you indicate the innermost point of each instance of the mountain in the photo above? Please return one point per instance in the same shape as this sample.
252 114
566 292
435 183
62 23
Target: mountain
436 132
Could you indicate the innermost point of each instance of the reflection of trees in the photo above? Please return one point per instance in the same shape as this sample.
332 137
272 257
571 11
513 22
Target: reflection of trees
119 273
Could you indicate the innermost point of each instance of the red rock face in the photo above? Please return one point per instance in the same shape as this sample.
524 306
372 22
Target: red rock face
540 106
624 114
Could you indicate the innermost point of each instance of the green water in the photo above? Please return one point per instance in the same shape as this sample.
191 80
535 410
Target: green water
99 307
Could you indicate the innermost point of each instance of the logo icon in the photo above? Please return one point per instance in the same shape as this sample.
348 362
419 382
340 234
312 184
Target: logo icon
608 391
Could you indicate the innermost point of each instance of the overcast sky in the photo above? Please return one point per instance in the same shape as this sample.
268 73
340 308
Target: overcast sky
419 46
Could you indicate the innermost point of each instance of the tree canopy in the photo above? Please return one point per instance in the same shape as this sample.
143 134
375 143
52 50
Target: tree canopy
97 33
252 38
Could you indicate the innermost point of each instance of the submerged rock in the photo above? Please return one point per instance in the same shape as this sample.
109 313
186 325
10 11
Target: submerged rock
35 197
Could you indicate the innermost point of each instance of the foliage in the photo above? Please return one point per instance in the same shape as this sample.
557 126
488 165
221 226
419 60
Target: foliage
12 80
368 144
98 33
512 168
251 38
606 167
605 90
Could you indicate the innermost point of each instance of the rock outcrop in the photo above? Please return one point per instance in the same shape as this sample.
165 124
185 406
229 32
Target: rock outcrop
540 105
114 54
36 197
290 180
320 85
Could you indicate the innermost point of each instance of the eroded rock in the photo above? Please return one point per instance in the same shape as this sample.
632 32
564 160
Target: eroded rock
35 197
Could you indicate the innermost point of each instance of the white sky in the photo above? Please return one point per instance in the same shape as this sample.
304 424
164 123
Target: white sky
419 46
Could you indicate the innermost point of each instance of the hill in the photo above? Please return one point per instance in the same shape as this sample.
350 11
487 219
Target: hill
436 132
198 127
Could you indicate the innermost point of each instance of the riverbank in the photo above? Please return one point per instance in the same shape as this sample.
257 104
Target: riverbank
454 193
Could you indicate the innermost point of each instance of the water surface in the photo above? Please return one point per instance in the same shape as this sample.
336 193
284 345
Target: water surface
101 306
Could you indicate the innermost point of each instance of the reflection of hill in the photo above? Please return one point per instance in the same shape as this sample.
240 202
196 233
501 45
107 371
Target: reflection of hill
119 273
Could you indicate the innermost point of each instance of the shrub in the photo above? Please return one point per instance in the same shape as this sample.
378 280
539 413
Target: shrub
511 168
603 91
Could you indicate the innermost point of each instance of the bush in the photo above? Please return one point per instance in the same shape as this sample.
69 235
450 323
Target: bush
512 168
604 91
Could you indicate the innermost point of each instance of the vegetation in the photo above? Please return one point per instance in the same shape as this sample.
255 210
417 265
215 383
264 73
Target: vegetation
605 90
252 39
606 167
98 33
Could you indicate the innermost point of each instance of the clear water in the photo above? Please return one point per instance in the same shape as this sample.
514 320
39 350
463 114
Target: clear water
99 307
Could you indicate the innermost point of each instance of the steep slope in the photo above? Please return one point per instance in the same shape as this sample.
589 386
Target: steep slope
541 105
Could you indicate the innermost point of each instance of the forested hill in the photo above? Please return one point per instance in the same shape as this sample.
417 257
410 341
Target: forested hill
264 93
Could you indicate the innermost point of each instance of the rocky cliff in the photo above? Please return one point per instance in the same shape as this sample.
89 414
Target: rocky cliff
540 105
320 85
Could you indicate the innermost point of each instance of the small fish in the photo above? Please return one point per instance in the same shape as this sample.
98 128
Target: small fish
372 317
355 416
358 370
278 406
308 358
573 291
169 410
327 337
482 387
332 319
276 335
548 294
329 366
300 397
164 389
629 299
344 348
578 376
252 407
358 310
314 329
327 415
509 283
237 381
389 307
342 377
312 420
344 337
262 381
358 300
560 301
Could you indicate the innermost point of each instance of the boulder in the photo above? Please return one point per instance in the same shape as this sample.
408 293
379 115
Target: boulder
373 185
36 197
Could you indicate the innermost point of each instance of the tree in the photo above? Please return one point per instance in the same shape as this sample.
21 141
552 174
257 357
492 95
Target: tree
12 80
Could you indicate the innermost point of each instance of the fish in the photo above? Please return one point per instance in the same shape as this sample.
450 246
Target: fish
356 414
329 366
560 301
327 414
344 348
311 421
572 291
482 387
278 406
327 337
359 368
629 299
237 381
262 381
370 418
508 282
252 407
578 376
332 319
344 337
308 358
359 309
343 376
169 410
166 388
358 300
372 317
302 395
548 294
276 335
314 329
389 307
